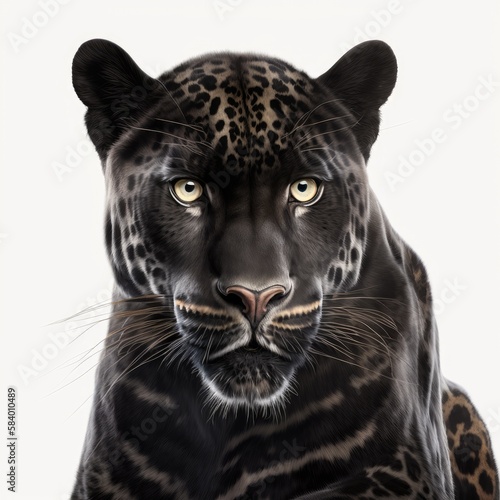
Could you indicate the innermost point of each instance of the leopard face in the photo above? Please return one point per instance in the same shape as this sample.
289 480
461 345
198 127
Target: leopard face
236 192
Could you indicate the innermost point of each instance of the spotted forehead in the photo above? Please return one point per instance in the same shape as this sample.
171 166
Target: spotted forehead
245 106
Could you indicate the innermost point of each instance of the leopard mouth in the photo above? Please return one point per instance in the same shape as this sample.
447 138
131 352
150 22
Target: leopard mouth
250 376
241 365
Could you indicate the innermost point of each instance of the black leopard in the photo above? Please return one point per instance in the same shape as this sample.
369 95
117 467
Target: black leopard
271 336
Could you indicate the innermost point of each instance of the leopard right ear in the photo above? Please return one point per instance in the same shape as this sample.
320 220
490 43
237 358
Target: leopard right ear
115 90
363 79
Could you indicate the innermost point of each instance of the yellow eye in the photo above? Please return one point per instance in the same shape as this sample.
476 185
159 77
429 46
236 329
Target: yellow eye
187 190
304 189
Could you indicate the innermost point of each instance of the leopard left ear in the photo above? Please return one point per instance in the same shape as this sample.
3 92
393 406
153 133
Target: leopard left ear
363 79
115 90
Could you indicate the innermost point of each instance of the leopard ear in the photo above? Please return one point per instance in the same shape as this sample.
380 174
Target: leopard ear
115 90
363 79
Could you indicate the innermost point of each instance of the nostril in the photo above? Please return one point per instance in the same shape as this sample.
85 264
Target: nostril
246 297
235 300
271 294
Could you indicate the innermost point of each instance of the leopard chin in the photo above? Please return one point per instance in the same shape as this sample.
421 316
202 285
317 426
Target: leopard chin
255 379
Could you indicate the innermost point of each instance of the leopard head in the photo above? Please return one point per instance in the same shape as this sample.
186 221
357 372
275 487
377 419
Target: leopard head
237 192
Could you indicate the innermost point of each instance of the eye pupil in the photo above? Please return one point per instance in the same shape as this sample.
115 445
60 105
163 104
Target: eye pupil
187 191
304 190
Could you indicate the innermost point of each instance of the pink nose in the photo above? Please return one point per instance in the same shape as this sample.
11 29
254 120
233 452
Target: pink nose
255 302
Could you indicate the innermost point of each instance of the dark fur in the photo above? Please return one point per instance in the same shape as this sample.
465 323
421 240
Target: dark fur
184 402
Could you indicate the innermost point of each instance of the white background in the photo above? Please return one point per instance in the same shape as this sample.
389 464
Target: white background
51 237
